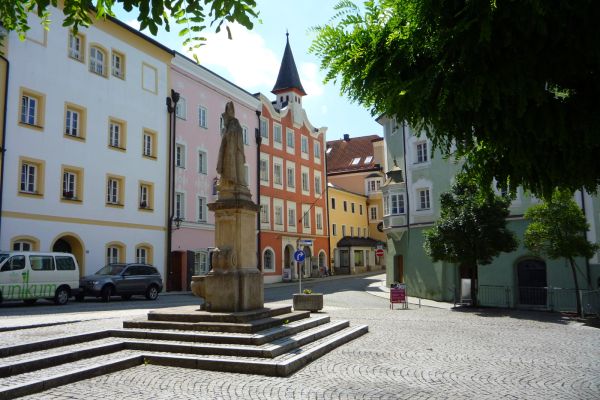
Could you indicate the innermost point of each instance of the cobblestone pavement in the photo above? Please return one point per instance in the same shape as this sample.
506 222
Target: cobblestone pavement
419 353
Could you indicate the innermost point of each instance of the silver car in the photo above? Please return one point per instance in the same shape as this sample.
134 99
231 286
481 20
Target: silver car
123 280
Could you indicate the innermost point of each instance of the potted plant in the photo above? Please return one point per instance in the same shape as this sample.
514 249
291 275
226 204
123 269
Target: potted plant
308 301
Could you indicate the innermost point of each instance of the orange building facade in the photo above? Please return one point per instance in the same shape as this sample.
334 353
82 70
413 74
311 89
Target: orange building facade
291 182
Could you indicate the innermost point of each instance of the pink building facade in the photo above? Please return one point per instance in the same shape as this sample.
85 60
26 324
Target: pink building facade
202 98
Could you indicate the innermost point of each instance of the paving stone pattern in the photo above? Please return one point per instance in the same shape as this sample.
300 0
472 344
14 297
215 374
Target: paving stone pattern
421 353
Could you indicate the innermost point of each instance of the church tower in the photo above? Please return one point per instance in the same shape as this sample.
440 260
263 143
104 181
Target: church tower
288 88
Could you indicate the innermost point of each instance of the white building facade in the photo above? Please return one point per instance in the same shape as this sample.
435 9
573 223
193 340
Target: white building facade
85 162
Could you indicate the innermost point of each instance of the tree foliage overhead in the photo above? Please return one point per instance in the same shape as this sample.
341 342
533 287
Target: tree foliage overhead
513 84
471 230
557 230
193 15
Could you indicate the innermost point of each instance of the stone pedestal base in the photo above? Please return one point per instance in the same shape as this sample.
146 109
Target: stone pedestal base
230 291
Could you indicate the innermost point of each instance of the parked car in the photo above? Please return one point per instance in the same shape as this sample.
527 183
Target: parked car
123 280
33 275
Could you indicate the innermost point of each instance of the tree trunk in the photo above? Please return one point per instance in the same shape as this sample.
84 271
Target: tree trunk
574 271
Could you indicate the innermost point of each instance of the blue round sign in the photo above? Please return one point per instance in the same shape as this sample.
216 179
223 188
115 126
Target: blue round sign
299 255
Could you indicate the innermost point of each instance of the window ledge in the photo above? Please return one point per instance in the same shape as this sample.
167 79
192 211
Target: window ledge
31 194
71 200
123 149
115 205
31 126
149 157
73 137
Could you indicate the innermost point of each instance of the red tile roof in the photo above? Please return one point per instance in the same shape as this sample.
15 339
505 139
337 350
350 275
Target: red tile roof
344 151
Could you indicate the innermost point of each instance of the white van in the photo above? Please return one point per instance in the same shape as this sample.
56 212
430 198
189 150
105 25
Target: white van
32 275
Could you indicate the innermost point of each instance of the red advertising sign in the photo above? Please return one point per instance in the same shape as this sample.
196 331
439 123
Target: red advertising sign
398 295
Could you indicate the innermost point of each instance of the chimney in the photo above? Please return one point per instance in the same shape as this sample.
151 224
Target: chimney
346 137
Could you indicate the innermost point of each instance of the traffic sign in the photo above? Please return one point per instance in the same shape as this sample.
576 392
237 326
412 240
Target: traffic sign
305 242
379 252
299 255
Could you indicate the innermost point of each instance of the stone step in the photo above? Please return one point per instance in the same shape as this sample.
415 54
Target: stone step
194 314
53 357
283 365
47 378
230 327
258 338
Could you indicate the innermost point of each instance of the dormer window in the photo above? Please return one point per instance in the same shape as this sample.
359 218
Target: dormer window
368 159
355 161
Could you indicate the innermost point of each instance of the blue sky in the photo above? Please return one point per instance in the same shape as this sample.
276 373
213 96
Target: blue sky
251 60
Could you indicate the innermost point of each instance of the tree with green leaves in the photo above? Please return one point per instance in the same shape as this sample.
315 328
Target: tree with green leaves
194 16
557 230
471 229
512 84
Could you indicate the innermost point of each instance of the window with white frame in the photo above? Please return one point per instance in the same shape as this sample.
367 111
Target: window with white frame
180 155
264 170
112 191
245 134
292 216
264 128
268 260
317 185
304 144
112 254
317 149
306 219
397 203
75 46
148 144
305 186
422 155
277 134
201 209
423 198
334 229
97 60
179 205
115 134
31 176
290 139
278 212
118 65
145 196
373 213
291 177
69 185
22 245
202 162
277 172
141 255
202 121
29 109
200 262
319 220
181 108
264 213
72 121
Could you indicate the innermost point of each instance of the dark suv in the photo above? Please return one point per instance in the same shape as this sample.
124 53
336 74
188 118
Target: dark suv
123 280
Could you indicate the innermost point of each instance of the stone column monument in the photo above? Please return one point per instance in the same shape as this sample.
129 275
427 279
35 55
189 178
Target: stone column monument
234 282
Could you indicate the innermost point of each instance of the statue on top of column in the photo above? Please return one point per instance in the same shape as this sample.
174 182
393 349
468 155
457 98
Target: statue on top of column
230 164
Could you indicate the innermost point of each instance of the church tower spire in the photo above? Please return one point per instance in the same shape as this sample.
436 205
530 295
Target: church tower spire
288 87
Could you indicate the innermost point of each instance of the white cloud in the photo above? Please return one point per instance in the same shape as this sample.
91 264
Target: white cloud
324 109
250 63
311 81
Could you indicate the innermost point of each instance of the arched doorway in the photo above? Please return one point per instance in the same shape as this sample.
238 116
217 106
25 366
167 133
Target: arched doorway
532 281
71 243
306 265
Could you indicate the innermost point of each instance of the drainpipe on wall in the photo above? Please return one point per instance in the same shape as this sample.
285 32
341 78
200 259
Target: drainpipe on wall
258 138
171 107
3 148
327 209
404 262
587 261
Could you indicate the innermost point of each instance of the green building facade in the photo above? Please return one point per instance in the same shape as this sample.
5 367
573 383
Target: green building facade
415 180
